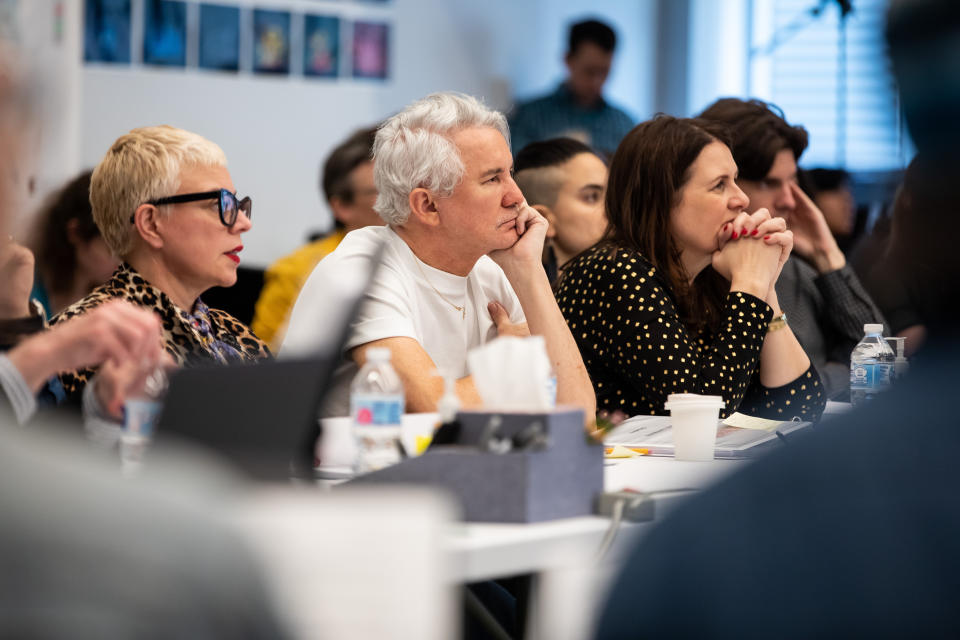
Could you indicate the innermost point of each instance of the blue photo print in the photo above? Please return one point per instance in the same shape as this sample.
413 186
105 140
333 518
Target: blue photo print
165 32
106 31
219 37
271 41
321 46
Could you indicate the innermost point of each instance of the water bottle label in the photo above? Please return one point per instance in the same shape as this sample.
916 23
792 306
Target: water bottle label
870 376
140 416
376 410
552 391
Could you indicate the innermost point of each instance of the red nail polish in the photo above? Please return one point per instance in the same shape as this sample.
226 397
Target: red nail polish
733 236
754 232
766 237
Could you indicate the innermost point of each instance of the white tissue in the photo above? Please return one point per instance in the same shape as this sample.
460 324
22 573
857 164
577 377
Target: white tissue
512 374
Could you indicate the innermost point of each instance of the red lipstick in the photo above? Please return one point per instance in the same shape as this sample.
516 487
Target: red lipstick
232 254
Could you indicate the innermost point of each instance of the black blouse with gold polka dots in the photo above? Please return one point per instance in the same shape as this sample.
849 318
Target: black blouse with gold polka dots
622 314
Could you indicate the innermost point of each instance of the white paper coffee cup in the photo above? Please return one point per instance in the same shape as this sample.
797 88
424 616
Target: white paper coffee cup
694 420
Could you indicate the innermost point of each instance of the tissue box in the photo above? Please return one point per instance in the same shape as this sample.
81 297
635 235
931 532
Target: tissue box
558 481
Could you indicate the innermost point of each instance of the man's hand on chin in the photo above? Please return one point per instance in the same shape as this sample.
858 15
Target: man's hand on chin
531 229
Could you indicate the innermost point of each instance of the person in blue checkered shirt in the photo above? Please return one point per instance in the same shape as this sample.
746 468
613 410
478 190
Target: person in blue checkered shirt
577 109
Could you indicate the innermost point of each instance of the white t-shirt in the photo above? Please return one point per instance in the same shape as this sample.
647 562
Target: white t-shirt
402 303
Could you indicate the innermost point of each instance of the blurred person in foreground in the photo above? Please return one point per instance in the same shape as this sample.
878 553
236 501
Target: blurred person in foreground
680 296
86 555
824 301
462 261
881 272
70 253
348 187
577 108
855 529
166 205
566 181
120 337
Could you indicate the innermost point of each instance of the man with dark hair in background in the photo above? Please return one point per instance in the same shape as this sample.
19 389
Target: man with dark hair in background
577 109
347 183
853 531
825 303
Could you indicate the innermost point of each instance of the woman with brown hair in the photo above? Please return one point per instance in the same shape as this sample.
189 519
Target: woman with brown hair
72 257
679 295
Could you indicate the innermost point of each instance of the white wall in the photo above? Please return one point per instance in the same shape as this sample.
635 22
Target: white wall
719 45
276 131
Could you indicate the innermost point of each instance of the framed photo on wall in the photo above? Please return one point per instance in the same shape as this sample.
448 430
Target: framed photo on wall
371 42
219 37
321 46
106 31
165 32
271 41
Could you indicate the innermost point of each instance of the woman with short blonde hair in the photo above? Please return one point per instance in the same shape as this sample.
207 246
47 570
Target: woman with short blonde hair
166 206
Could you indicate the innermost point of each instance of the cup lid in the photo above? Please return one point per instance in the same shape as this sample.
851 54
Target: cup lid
690 400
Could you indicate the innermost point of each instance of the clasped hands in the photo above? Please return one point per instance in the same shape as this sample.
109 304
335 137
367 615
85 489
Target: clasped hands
751 251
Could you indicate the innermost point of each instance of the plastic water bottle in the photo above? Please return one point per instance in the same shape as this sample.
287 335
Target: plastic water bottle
871 365
140 413
376 407
900 365
552 387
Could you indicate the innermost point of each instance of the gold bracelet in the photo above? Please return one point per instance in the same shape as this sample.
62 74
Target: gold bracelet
778 322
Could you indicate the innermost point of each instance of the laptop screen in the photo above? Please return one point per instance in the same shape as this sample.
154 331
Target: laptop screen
263 416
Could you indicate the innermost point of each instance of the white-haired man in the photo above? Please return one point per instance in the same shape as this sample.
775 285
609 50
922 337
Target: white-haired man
461 264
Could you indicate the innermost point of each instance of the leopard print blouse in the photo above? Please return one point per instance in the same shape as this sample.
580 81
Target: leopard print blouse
202 336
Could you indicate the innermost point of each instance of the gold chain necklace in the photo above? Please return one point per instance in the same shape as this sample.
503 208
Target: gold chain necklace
462 310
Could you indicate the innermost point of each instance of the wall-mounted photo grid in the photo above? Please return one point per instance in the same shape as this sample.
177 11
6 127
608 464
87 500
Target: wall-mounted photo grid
235 39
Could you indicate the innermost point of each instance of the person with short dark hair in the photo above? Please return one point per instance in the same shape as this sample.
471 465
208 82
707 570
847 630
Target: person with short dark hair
347 184
820 293
577 108
71 255
679 296
566 181
830 190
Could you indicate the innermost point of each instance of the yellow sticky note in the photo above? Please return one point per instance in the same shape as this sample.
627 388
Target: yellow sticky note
743 421
619 451
422 442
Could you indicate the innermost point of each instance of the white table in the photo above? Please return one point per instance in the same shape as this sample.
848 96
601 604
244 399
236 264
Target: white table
490 550
571 580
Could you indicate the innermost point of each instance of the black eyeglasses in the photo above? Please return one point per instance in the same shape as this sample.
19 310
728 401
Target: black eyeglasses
229 207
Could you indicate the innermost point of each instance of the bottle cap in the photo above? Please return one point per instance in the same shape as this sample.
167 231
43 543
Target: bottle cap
449 403
872 328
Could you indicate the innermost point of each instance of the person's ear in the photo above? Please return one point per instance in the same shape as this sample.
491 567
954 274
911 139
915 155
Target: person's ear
340 209
73 232
423 206
551 218
149 224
